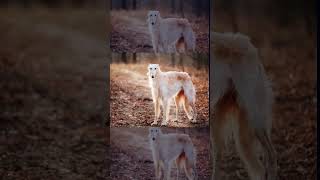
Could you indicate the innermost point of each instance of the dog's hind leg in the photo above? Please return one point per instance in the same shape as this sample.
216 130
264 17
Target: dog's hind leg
270 154
217 142
190 110
190 170
176 102
245 143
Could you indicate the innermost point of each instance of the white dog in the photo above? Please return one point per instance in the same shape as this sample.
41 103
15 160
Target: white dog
242 105
168 34
166 85
167 148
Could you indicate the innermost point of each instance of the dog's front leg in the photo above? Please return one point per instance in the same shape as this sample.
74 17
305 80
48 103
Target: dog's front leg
165 112
157 111
158 170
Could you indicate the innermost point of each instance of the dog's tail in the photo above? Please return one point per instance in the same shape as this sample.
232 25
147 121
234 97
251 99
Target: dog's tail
190 38
191 158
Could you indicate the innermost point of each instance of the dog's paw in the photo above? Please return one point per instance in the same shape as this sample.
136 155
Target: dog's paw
164 123
193 120
154 123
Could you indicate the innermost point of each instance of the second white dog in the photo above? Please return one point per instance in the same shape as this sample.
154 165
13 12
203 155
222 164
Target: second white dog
167 34
167 148
166 85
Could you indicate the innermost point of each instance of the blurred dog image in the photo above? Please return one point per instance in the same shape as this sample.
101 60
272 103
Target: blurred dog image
242 102
170 33
167 148
166 85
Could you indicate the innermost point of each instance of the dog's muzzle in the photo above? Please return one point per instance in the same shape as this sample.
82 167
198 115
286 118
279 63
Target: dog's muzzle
152 23
153 139
152 76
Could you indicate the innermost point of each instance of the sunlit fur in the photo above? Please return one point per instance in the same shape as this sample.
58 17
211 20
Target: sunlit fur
167 85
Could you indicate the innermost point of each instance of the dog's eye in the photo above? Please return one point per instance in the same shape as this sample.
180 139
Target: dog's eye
155 15
150 15
156 130
150 68
151 130
155 68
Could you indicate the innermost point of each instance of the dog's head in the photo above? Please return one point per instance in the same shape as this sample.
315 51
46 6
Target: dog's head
153 70
154 133
153 17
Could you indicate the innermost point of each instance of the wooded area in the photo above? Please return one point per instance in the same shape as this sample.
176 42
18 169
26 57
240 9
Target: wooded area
283 13
53 3
197 60
197 7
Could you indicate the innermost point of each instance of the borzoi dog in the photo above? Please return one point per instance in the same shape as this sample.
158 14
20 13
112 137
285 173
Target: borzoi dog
168 34
166 85
167 148
242 105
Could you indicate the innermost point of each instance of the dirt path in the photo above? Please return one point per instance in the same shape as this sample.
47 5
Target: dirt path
52 119
132 158
130 32
131 102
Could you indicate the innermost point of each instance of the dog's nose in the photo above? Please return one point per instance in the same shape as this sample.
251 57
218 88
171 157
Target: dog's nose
152 23
153 139
152 76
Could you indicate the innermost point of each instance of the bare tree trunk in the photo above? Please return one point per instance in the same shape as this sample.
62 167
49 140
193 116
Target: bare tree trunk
181 61
134 4
124 57
134 57
173 59
124 4
173 6
233 15
181 8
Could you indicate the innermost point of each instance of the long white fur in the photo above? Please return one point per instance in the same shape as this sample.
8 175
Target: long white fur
247 74
167 148
235 58
164 86
165 33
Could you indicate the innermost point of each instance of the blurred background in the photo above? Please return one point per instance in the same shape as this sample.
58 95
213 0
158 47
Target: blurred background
197 7
285 34
130 30
53 83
